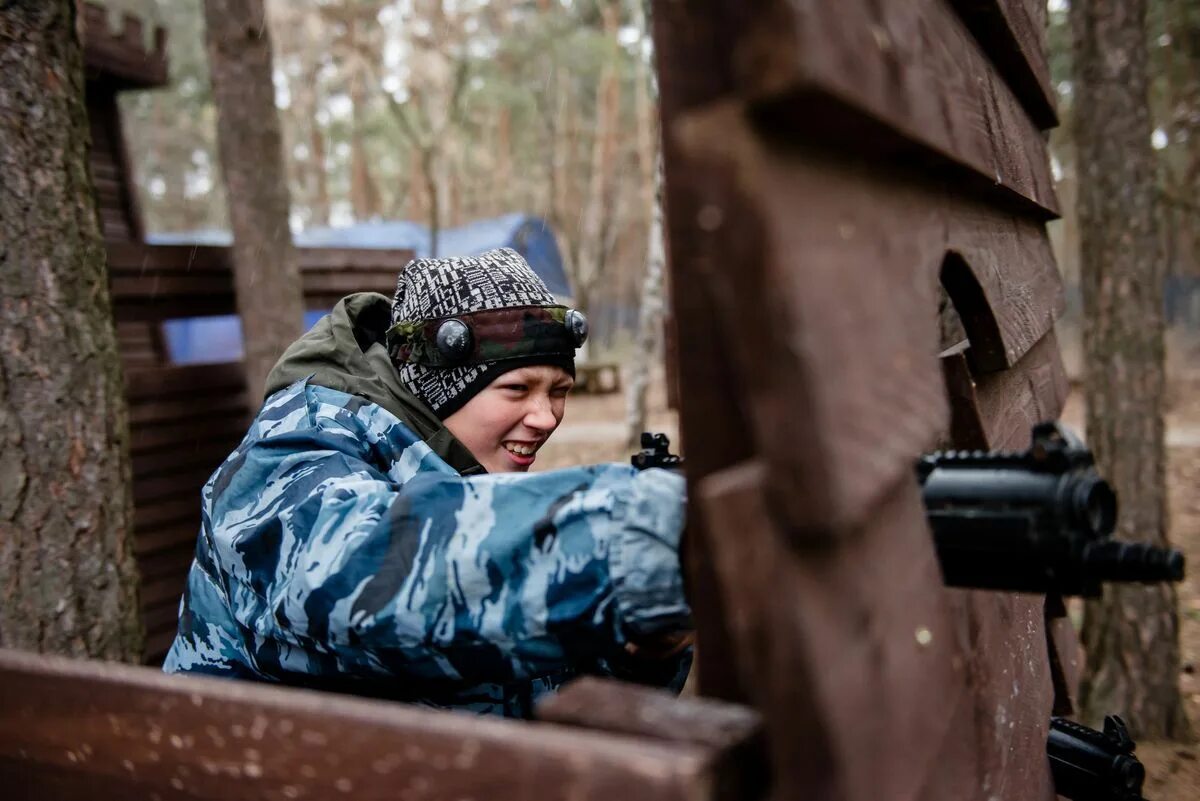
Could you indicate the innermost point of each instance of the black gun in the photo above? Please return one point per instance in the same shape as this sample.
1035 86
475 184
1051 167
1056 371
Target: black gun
1088 765
656 452
1033 521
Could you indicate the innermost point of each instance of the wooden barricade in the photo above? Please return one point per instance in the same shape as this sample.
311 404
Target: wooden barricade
827 164
85 730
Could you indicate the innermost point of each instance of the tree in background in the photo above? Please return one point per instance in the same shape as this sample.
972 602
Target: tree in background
266 276
1131 635
68 582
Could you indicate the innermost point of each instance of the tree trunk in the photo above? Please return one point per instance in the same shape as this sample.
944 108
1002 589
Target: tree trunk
650 322
1132 635
590 263
266 278
68 581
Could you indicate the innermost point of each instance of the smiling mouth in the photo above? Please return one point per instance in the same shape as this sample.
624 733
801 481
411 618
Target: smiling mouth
521 449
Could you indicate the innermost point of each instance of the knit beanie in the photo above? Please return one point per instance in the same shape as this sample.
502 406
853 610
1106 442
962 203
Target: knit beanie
458 323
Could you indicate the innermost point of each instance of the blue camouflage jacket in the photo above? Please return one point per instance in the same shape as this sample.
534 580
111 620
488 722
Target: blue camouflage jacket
338 550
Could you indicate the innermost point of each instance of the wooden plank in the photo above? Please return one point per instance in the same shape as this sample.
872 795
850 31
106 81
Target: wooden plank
186 434
1012 33
732 733
208 455
844 648
996 746
161 590
902 78
681 36
172 564
186 380
835 244
159 282
163 617
184 482
87 730
967 430
151 540
1002 277
188 408
150 517
613 706
158 642
827 246
1012 402
840 648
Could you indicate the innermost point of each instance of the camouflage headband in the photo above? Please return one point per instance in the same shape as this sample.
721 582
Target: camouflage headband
479 316
490 335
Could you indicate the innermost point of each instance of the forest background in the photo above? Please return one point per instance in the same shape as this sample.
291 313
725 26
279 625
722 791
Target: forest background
449 112
442 113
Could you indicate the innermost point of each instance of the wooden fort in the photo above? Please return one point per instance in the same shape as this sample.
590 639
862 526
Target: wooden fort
831 168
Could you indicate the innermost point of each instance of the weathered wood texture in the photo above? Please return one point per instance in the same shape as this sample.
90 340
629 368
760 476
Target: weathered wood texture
905 79
161 282
84 730
828 166
1013 35
184 422
731 734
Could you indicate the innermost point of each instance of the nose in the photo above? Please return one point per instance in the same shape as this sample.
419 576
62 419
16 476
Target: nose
539 414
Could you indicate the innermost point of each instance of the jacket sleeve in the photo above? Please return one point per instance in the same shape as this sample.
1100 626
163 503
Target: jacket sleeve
421 572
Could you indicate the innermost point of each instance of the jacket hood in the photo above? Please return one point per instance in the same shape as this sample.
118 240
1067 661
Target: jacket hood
345 351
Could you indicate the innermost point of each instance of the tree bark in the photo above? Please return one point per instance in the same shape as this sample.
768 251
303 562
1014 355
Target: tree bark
68 581
1132 635
266 278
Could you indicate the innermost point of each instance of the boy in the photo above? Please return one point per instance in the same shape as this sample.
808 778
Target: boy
376 532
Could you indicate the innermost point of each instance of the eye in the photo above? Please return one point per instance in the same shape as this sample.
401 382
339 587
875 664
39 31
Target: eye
560 392
515 387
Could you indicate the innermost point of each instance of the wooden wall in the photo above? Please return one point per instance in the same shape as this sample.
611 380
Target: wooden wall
827 166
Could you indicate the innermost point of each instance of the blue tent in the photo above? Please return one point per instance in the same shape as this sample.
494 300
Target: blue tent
199 340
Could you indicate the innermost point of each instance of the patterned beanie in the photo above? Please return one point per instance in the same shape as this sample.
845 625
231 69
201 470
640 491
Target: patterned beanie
458 323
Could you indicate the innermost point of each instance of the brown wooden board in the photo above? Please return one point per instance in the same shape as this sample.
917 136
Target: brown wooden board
805 228
183 380
997 411
901 80
84 730
869 674
732 733
159 282
1013 33
714 424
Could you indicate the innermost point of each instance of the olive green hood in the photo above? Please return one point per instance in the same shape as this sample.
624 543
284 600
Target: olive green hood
345 351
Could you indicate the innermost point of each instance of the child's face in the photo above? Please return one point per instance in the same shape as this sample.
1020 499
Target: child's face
505 423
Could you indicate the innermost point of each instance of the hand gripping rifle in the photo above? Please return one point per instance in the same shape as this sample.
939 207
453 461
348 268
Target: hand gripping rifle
1034 521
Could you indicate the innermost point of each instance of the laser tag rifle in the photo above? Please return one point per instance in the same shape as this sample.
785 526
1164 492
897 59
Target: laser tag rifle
1033 521
1088 765
1038 520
